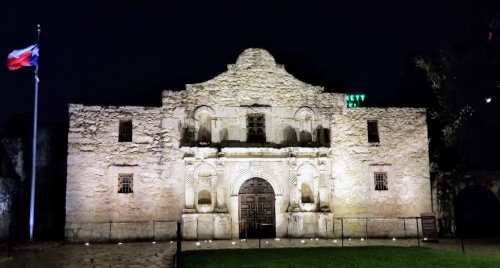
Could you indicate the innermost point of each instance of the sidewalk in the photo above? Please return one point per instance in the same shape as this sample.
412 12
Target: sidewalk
161 254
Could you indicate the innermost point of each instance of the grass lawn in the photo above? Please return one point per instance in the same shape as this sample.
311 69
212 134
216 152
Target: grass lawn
370 257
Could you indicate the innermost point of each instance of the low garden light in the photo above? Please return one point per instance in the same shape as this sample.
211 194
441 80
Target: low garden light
488 100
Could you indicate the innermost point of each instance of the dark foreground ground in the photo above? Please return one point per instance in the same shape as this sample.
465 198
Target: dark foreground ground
160 254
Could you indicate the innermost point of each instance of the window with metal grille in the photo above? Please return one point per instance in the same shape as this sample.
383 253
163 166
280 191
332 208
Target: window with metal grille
381 181
373 131
125 130
125 183
256 127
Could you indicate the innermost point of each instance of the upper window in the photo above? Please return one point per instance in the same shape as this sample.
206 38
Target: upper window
256 127
125 131
125 183
373 131
381 181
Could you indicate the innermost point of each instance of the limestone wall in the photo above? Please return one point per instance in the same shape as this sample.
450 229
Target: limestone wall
402 152
95 158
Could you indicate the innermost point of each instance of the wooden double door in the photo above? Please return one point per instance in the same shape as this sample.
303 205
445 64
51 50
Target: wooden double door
256 209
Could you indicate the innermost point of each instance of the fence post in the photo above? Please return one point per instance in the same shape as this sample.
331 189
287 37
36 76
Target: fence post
462 232
109 236
342 226
404 226
179 248
153 230
326 228
366 229
418 234
258 231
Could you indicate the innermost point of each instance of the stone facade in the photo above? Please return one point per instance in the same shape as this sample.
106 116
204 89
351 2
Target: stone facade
190 157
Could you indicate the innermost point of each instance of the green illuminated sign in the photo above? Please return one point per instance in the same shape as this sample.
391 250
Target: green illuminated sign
354 100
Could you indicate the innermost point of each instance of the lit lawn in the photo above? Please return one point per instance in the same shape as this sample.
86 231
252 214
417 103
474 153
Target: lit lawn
369 257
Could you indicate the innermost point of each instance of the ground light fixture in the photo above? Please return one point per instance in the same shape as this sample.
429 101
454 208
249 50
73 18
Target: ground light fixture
394 239
197 243
119 243
233 243
488 100
154 242
362 239
86 244
302 241
335 241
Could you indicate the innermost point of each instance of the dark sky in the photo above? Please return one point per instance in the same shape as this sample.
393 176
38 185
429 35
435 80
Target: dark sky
125 52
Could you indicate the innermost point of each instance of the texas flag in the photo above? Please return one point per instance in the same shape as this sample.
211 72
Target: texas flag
23 57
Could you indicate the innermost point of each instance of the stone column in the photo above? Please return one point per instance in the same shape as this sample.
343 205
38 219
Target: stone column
323 189
234 215
189 186
220 187
294 195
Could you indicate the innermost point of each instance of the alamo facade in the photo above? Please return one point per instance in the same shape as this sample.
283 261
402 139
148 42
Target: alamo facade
252 147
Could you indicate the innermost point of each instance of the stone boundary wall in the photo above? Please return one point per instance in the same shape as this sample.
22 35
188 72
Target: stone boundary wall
120 231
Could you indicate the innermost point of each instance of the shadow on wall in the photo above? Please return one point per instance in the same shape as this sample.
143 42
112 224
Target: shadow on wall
290 136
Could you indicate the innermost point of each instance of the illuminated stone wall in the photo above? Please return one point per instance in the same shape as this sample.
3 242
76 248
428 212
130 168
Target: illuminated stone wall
95 158
190 156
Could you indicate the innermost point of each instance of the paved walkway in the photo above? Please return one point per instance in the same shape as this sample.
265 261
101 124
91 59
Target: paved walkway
161 254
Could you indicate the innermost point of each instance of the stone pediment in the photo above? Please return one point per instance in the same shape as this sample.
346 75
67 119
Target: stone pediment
256 79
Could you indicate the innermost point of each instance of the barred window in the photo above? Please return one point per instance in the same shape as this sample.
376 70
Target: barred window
125 183
256 127
381 181
125 130
373 131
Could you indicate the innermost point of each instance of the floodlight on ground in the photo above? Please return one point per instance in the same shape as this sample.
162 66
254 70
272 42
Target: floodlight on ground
119 243
233 243
302 241
349 239
267 242
335 241
317 239
488 100
86 244
394 239
154 242
209 241
171 242
362 239
425 238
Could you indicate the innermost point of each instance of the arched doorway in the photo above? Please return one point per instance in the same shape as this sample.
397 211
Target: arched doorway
477 212
256 209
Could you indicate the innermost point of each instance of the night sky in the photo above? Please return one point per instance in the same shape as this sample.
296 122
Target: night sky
126 52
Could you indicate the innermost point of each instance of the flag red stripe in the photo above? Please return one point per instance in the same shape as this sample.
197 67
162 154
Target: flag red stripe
16 63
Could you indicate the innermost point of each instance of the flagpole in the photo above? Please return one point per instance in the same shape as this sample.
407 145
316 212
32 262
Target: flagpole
33 163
